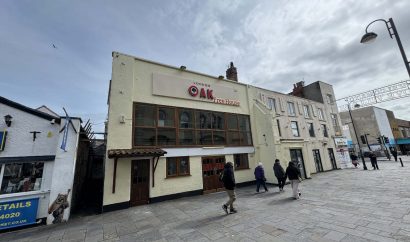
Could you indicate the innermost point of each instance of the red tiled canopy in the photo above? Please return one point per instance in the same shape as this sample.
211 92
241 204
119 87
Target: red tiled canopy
123 153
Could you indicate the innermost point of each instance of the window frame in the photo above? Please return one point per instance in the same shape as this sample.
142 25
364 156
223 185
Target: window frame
244 159
320 114
291 107
306 111
324 128
292 129
178 163
218 135
19 183
311 127
272 104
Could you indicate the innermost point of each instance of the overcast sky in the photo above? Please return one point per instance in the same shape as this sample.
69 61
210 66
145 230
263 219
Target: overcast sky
274 44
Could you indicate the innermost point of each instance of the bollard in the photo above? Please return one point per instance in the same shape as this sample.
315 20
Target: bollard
401 162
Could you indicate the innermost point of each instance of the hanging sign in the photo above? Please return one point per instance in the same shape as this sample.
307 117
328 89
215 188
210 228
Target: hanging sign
18 213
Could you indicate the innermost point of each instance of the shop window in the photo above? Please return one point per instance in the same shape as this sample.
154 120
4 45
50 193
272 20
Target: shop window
204 137
178 166
295 129
145 115
186 137
203 120
233 138
241 161
166 117
218 121
186 119
244 123
232 121
166 137
219 137
144 137
291 109
311 130
21 177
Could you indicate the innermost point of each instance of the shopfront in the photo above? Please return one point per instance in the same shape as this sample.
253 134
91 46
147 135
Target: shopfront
178 127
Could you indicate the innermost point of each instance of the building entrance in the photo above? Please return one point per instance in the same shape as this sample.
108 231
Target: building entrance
139 182
211 169
318 161
332 158
296 155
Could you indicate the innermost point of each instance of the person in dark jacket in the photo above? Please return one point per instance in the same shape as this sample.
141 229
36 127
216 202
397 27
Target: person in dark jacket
260 177
280 174
373 160
394 153
228 180
293 173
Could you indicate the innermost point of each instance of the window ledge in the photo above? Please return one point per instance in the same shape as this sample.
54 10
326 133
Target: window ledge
23 194
171 177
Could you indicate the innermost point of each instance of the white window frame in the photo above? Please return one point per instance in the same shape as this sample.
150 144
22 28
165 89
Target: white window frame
272 104
306 111
291 109
297 128
320 114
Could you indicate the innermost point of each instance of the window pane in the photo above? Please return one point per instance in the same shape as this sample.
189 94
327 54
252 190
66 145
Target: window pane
294 127
22 177
166 137
232 121
183 166
233 138
306 111
186 118
218 121
166 117
241 161
291 109
219 138
244 123
171 167
144 136
324 130
320 113
145 115
311 130
204 137
203 120
246 138
186 137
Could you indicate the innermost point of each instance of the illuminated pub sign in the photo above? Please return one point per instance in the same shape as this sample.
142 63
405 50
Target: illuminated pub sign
18 213
172 86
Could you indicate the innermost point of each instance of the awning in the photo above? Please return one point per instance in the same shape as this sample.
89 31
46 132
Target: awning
404 141
138 152
127 153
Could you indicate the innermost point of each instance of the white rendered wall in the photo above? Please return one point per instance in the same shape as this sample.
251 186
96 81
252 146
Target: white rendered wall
383 122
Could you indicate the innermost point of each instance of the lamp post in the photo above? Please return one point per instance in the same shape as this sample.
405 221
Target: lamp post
357 139
371 36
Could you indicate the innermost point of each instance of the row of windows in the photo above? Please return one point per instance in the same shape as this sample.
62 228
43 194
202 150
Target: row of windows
179 166
295 129
171 126
306 111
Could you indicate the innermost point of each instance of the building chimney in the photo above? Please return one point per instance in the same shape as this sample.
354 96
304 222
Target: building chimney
231 73
298 89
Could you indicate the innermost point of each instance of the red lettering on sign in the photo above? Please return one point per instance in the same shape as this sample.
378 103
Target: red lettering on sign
193 91
202 94
209 94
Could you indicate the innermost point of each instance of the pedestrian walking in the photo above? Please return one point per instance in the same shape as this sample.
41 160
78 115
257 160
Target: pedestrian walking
260 177
353 157
280 174
373 160
228 179
293 173
394 153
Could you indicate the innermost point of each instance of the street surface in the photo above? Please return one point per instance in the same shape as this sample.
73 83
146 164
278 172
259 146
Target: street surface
342 205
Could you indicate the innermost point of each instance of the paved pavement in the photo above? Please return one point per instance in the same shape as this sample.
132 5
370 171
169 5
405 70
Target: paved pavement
342 205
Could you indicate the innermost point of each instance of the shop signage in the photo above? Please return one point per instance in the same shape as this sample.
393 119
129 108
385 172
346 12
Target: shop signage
3 136
18 213
172 86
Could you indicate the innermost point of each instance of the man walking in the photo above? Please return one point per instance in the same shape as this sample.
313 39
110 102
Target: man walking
228 180
280 174
373 160
394 153
260 177
293 173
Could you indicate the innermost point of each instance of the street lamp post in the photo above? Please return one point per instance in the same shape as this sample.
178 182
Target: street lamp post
370 36
357 139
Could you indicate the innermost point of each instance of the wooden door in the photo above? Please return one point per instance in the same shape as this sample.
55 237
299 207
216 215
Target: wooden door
211 169
139 182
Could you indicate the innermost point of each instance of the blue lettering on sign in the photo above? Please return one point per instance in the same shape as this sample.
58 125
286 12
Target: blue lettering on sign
18 213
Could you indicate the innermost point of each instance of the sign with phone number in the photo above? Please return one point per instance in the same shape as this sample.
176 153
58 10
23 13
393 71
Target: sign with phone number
18 213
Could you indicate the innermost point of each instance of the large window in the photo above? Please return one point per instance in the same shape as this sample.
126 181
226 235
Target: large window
178 166
324 128
21 177
241 161
311 130
306 111
291 109
272 104
320 113
170 126
295 129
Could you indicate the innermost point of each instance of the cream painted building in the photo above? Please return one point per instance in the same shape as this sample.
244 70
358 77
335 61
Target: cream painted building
170 131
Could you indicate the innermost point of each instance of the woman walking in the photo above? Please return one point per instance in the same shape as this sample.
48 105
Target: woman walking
280 174
260 177
293 173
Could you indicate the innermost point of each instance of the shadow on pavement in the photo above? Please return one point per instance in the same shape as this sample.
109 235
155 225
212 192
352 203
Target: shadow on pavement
282 201
201 222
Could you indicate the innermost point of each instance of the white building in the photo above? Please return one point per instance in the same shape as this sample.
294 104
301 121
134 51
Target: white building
34 169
